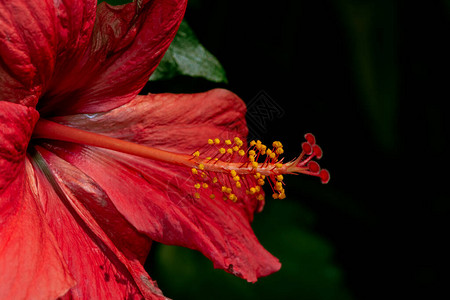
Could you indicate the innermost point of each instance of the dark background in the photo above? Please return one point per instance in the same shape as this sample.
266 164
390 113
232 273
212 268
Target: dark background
370 80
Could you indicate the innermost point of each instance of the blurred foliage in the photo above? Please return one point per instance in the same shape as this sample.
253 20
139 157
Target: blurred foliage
372 35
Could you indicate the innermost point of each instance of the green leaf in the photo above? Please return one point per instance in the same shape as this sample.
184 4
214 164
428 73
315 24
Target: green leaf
186 56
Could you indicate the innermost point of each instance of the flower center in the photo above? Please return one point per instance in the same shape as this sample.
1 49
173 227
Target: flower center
230 158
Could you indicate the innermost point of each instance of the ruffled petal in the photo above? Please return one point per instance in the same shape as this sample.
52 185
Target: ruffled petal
31 264
174 122
157 198
132 244
16 125
128 41
100 269
34 35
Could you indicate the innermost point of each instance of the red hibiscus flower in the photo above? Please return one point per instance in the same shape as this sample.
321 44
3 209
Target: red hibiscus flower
92 173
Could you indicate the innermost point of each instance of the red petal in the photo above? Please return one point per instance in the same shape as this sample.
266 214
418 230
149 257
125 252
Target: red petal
34 35
180 123
127 44
174 122
151 197
154 196
31 264
100 269
133 244
16 125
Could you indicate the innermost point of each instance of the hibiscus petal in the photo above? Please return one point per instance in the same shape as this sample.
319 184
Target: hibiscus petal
180 123
33 36
100 269
133 244
16 125
31 264
155 198
174 122
127 44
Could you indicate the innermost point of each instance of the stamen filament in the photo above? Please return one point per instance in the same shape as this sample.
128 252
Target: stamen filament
50 130
235 172
54 131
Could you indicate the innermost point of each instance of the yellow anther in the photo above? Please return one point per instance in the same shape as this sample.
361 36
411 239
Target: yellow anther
252 143
208 157
197 185
238 142
216 141
281 196
205 185
275 196
260 197
280 177
214 180
278 165
261 181
228 142
228 191
196 154
241 152
233 173
201 166
257 188
235 148
194 171
278 186
212 196
196 195
230 151
210 141
251 153
277 144
257 175
263 148
268 152
232 197
280 151
224 188
238 185
222 150
255 164
251 158
263 176
252 190
236 178
272 155
204 175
